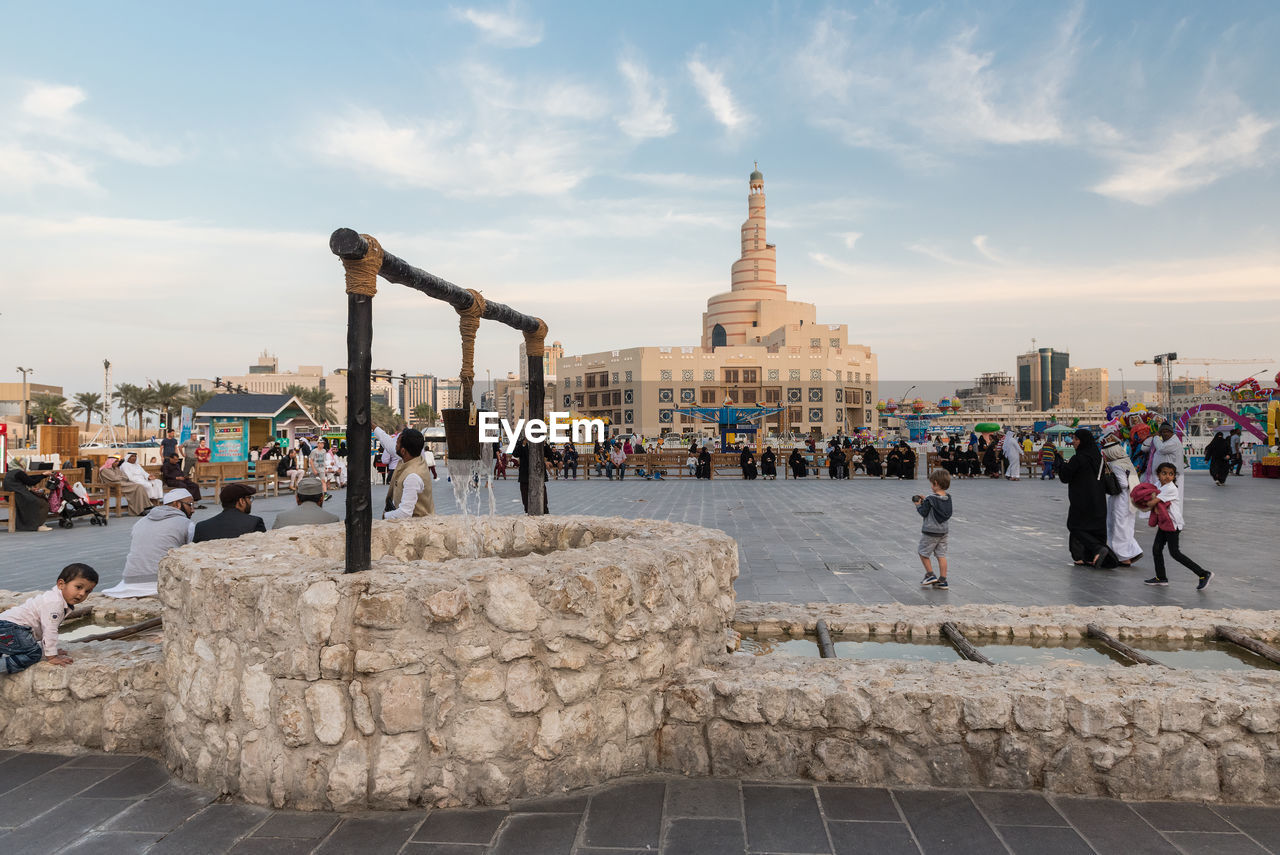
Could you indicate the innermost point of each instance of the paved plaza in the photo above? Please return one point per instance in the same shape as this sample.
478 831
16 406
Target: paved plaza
120 805
818 540
813 540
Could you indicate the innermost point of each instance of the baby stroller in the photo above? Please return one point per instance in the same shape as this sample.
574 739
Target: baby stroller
68 504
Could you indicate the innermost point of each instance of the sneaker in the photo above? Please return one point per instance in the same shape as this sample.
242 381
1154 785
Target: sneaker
929 579
1204 580
1156 580
941 583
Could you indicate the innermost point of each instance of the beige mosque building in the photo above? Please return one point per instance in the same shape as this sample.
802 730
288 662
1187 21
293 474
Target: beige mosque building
758 348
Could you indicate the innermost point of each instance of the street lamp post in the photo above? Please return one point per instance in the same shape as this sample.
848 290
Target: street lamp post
26 425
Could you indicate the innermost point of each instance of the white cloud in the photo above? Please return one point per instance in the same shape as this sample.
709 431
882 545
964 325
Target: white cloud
51 101
980 244
1189 159
850 238
509 137
862 82
24 169
720 101
648 116
509 28
46 141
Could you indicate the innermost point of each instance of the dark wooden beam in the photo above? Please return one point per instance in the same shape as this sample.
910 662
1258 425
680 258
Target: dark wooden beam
359 428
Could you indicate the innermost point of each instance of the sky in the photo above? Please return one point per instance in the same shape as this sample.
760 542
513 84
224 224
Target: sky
950 179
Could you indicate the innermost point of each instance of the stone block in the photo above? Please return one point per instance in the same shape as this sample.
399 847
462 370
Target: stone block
398 703
327 704
524 687
510 604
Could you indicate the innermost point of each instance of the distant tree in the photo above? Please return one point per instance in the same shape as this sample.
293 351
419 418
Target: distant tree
296 391
425 414
168 397
320 402
385 417
87 403
128 395
44 405
200 397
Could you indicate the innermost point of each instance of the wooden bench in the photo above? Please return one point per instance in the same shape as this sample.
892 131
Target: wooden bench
7 498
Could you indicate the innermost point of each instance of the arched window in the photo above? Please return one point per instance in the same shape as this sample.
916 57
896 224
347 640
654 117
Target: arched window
718 337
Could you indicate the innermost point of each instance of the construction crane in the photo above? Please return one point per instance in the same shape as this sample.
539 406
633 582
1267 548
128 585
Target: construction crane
1164 370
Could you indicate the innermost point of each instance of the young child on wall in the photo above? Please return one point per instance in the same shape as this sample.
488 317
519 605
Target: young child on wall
29 632
1166 507
936 510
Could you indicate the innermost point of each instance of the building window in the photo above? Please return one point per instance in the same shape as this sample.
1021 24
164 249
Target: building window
839 396
815 342
815 374
628 376
815 414
628 416
748 396
628 396
868 400
615 377
750 375
708 396
731 375
665 396
866 419
835 342
664 416
793 396
617 398
665 375
839 415
593 399
772 396
793 374
815 394
773 375
568 400
708 375
718 337
857 376
577 399
687 396
687 375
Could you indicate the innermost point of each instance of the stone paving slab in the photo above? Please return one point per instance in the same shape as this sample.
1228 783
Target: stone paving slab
818 540
659 816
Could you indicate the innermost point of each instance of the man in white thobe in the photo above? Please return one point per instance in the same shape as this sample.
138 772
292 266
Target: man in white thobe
1163 448
138 475
1013 455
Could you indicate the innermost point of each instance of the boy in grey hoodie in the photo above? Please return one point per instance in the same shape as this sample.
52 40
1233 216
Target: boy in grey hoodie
936 510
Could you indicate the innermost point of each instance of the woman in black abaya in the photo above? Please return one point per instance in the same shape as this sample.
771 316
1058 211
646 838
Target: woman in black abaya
1218 453
31 508
1087 498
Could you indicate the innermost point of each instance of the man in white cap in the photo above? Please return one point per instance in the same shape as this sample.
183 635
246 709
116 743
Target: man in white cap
310 497
162 529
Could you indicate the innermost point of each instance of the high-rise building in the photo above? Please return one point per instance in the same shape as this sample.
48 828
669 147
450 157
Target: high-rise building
758 349
1041 374
448 394
417 389
1085 388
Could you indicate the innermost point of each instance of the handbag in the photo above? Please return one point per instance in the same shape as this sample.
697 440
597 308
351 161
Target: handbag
1110 483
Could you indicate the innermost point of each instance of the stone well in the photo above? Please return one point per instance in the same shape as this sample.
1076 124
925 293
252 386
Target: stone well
434 678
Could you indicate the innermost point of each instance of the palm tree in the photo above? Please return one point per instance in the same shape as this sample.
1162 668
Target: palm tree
87 403
293 390
385 417
200 397
43 406
320 401
425 414
169 397
126 396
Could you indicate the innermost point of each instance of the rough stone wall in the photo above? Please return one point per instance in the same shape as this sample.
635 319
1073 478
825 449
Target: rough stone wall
1169 623
1136 733
108 699
431 679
